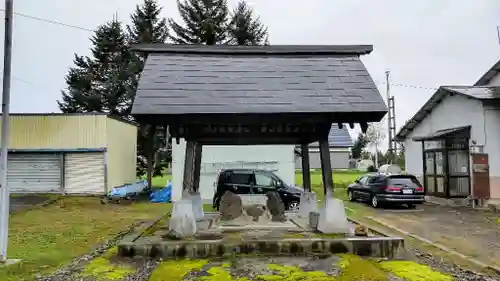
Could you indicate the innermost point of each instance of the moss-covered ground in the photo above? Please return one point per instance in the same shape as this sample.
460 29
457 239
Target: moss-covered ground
350 268
345 267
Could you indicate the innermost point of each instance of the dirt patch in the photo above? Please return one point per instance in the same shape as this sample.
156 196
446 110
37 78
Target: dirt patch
25 202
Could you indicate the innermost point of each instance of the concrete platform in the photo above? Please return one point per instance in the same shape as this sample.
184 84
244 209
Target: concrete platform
383 247
221 239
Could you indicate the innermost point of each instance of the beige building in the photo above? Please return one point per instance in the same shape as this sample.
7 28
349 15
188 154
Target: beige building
71 153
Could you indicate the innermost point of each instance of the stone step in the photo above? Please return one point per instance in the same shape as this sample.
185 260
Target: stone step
382 247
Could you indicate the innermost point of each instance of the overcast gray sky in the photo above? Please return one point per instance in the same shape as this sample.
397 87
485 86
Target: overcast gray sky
424 43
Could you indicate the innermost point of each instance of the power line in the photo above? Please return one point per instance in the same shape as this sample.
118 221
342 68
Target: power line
50 21
23 80
91 30
409 86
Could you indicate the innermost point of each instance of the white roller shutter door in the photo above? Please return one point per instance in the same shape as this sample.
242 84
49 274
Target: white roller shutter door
84 173
34 172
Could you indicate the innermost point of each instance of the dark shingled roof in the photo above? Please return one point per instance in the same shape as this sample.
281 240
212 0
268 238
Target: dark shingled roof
337 137
195 80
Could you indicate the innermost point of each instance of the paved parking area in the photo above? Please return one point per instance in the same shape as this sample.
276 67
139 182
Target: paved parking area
19 203
474 233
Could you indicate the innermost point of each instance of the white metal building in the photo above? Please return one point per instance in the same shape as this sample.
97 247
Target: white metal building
468 112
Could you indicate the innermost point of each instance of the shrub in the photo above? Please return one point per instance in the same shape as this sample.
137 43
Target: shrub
371 169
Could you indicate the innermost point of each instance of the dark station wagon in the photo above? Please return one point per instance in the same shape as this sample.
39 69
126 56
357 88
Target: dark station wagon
381 189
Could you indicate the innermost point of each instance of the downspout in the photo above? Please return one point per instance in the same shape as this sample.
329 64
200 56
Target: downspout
106 187
63 172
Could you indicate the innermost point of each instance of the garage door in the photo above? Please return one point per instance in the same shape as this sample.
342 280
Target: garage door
34 173
84 173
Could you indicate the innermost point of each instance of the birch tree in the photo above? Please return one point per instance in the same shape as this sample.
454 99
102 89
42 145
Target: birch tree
375 135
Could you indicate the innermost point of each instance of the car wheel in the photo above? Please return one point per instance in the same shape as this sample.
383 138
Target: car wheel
374 201
351 196
293 206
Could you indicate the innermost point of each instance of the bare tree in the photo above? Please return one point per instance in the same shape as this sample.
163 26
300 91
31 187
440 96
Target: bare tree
375 135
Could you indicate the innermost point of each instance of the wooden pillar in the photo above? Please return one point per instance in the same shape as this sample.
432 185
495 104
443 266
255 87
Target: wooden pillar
326 165
150 153
188 178
446 169
306 167
424 168
197 166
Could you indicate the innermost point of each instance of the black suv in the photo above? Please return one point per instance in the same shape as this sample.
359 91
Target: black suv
248 181
386 188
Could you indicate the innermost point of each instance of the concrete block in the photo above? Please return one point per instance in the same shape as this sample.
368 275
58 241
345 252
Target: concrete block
10 262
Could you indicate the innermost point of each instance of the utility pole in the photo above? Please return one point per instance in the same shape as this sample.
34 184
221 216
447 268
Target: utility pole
389 135
391 122
498 34
4 189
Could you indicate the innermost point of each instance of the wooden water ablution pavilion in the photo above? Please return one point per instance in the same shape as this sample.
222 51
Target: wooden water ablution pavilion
253 95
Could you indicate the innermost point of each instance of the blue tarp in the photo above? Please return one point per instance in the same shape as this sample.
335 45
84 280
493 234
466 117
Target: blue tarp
163 195
128 189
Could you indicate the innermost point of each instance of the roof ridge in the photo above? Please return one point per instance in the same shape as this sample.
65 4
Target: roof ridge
323 50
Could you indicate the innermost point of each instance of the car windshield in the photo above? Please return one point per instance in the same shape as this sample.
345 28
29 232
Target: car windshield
277 179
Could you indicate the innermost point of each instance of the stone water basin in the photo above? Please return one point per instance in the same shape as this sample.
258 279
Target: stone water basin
212 228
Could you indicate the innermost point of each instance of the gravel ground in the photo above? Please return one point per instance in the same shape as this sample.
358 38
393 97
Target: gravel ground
471 232
144 270
458 273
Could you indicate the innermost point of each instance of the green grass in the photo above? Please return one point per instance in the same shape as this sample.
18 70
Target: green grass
342 176
161 181
340 181
47 238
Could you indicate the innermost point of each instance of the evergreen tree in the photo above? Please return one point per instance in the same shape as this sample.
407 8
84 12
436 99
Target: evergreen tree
107 80
246 29
148 26
205 22
358 146
101 82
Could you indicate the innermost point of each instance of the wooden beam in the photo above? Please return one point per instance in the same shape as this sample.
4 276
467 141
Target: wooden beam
306 167
326 165
188 178
197 166
260 118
